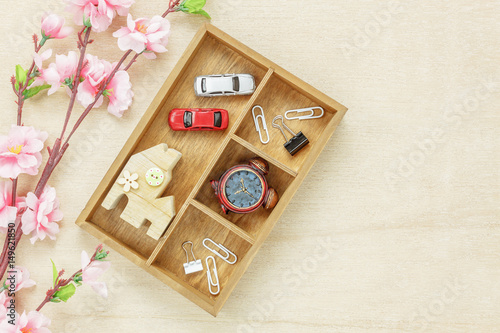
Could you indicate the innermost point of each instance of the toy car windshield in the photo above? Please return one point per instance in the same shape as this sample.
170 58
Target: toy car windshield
188 119
236 84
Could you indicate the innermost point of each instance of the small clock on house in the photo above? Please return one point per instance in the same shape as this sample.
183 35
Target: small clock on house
243 188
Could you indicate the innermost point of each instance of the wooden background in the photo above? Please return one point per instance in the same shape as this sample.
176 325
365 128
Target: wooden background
396 227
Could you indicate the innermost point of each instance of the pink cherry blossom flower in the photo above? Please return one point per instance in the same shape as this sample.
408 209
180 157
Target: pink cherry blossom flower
120 94
91 271
53 27
57 73
119 89
95 74
98 13
20 151
4 303
21 276
133 36
41 218
33 322
40 58
144 35
7 212
158 33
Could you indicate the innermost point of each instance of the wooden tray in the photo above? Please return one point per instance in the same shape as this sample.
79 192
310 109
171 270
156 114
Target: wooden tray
206 156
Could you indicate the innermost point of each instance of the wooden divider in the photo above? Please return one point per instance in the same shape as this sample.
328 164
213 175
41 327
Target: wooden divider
221 220
264 155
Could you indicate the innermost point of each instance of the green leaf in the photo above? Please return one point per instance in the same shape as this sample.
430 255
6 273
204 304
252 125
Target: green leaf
86 22
107 92
55 274
21 76
204 13
65 292
34 91
194 5
69 82
78 279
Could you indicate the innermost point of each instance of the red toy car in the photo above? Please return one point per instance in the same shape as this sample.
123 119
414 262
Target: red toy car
198 119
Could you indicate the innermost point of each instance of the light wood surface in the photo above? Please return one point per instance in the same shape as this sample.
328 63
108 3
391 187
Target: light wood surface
395 228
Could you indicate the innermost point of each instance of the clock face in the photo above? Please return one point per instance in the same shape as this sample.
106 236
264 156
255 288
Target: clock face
243 188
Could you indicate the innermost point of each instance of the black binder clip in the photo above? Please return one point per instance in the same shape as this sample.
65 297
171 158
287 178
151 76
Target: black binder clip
296 143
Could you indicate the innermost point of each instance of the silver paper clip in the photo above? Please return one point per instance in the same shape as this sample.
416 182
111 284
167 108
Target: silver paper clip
306 113
212 283
226 254
191 266
257 126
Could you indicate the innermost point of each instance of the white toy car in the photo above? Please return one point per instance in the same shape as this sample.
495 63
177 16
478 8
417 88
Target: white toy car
224 85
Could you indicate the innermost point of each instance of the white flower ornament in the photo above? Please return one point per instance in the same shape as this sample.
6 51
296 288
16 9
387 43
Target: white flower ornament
128 180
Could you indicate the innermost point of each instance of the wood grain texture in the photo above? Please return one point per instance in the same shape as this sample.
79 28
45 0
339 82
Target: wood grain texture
389 238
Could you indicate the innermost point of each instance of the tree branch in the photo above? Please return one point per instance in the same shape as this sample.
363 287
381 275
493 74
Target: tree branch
76 83
134 59
98 95
171 8
64 282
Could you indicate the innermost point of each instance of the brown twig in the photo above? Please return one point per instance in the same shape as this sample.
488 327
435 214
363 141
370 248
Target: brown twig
99 94
171 8
60 283
4 259
20 103
76 83
134 59
64 282
57 151
14 192
22 89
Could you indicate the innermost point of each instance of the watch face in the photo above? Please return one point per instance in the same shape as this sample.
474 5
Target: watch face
243 188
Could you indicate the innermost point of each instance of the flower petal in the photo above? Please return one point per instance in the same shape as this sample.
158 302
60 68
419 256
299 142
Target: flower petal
85 260
100 288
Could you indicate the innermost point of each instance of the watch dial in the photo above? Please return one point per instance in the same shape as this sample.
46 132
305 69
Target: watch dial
243 189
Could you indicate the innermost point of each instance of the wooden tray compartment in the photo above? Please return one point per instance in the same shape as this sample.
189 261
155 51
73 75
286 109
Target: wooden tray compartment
194 226
234 154
279 97
206 156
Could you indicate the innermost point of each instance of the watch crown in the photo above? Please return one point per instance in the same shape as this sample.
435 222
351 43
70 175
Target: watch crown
272 199
259 164
215 186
